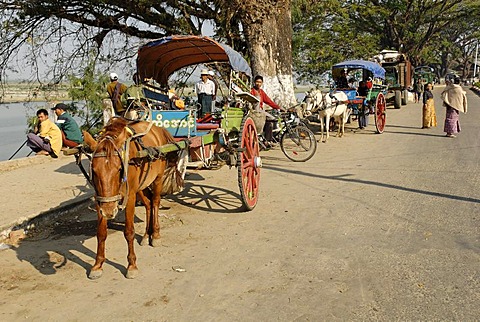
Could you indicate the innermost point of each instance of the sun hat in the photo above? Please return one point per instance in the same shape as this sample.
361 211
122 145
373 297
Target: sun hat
204 72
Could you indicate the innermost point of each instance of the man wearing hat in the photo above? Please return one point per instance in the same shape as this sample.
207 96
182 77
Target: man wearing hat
115 90
71 134
205 89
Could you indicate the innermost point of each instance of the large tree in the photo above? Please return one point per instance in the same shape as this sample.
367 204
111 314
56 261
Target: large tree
67 32
361 28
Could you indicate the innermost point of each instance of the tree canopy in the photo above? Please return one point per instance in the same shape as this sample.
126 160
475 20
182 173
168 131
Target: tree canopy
425 30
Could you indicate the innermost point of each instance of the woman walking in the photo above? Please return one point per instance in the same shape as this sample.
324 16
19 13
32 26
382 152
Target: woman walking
455 100
429 115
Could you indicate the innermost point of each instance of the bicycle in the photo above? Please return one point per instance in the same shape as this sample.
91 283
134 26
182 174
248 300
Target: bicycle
296 140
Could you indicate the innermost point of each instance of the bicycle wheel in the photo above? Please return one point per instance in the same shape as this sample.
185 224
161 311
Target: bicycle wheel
298 144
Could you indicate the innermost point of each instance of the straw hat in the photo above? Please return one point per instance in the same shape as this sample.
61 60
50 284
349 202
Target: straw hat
204 72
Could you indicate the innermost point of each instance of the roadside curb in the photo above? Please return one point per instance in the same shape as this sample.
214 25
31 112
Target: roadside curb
10 165
31 221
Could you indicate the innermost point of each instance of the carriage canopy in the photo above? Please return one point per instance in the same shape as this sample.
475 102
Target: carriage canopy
160 58
377 70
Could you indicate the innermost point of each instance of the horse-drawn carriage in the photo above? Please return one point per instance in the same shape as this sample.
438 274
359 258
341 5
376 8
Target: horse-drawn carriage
135 160
373 99
341 103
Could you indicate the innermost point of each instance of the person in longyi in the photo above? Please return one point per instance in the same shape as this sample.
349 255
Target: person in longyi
429 116
455 100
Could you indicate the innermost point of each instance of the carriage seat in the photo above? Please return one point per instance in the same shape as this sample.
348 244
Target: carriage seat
207 126
207 123
358 100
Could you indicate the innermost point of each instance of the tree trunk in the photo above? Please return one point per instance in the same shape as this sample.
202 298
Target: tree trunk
268 31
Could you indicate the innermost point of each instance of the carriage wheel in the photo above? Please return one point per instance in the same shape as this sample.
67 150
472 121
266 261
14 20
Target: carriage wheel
249 164
380 113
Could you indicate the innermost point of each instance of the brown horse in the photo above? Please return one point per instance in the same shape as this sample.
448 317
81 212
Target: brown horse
119 175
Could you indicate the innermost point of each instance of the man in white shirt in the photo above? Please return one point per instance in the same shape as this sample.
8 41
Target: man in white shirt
205 89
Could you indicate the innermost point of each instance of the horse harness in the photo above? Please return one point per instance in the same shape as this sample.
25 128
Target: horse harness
335 102
152 154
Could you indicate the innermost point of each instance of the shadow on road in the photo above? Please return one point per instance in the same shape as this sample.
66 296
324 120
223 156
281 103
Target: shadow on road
345 178
49 247
208 198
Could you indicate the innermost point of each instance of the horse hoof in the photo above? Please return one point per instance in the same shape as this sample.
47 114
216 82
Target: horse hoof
132 273
156 242
144 241
94 274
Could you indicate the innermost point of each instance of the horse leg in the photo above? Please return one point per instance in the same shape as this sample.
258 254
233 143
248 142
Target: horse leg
129 233
155 223
327 126
97 269
321 128
142 195
340 124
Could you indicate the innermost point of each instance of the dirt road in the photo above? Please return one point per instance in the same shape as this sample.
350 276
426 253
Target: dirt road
374 227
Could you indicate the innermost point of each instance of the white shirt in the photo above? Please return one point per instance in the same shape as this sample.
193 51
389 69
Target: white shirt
207 87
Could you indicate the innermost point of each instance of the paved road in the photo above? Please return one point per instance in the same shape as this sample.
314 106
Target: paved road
374 227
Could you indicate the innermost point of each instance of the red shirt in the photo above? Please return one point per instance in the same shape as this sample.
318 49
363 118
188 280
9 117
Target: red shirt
264 98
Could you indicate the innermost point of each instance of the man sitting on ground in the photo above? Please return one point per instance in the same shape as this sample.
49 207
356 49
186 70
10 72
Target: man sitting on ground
48 140
71 134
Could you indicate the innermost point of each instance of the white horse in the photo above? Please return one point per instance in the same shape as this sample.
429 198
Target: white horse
329 105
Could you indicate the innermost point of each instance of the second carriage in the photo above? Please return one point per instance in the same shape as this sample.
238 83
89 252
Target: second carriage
373 101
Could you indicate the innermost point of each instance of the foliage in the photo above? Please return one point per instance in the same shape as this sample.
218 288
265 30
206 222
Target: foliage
430 32
87 93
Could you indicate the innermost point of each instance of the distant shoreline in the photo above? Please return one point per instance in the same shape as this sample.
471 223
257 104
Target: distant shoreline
24 93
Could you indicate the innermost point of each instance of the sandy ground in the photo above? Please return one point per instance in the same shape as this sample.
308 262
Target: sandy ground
374 227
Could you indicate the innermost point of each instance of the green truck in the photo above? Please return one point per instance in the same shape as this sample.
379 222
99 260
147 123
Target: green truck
426 73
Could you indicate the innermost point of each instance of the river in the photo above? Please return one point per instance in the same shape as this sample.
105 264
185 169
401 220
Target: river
13 127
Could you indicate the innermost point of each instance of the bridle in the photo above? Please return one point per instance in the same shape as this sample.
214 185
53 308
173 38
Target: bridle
121 153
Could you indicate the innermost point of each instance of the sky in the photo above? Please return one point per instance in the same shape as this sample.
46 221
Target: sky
25 72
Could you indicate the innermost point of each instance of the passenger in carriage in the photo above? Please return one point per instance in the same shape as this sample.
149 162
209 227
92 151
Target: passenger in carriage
362 89
369 83
176 103
342 82
258 92
352 83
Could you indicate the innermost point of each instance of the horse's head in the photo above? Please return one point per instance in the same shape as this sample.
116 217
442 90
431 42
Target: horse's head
334 98
107 168
311 101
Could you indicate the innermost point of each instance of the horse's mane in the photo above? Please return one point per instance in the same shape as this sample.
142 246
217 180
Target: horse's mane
113 129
